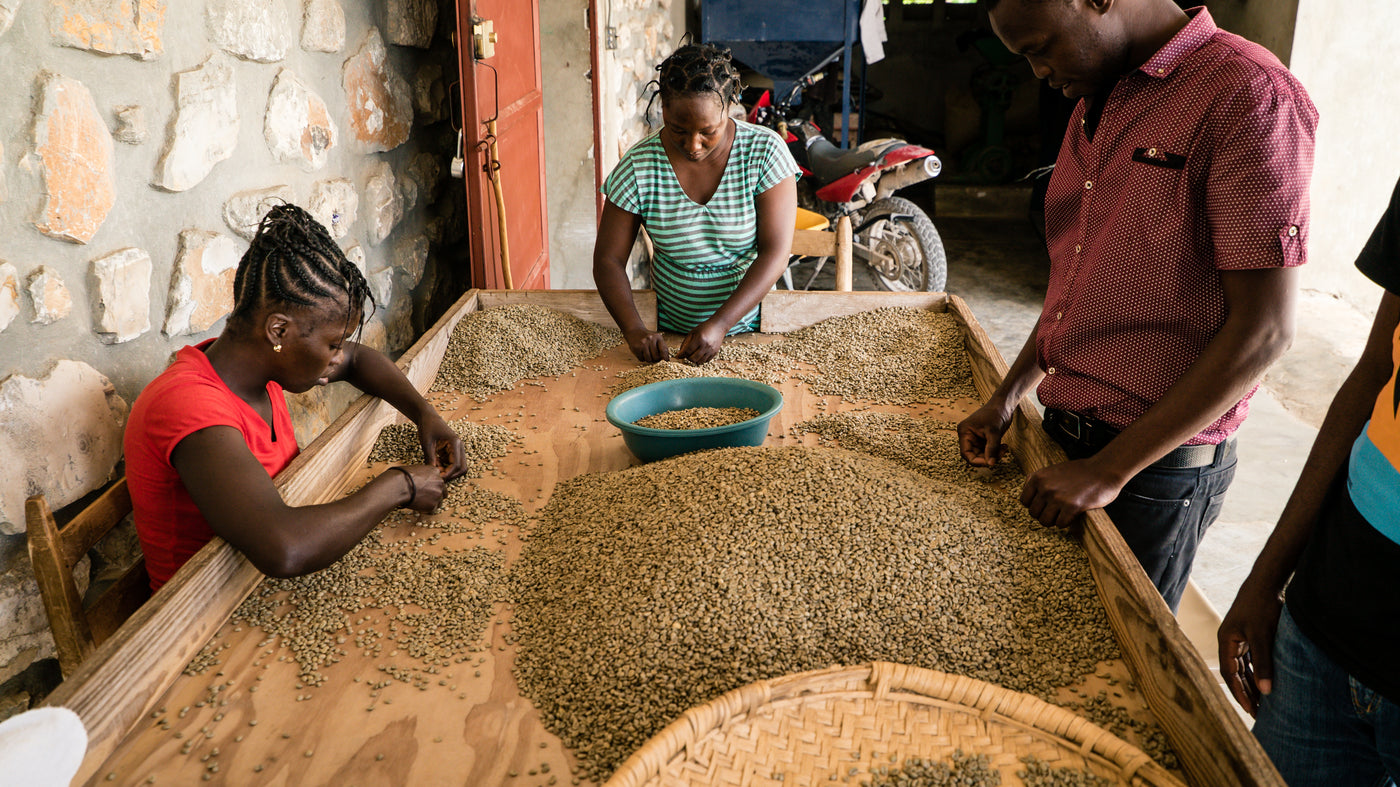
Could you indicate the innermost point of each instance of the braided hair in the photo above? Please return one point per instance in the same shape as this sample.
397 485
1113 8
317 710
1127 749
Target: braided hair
698 68
293 260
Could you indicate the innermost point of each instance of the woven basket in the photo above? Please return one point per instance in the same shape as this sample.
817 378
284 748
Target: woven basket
804 729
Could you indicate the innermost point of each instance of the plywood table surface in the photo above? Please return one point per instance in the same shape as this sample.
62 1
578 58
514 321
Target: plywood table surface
246 720
249 721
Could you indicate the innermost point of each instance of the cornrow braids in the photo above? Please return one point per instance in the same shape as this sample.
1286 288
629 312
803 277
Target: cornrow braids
293 261
698 68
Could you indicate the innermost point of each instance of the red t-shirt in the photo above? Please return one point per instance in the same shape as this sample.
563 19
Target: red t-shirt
187 397
1200 164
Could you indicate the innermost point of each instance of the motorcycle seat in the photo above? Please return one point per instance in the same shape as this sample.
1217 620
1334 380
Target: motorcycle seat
830 163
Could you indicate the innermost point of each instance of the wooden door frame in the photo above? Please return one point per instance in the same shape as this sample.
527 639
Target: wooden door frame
483 245
471 120
596 85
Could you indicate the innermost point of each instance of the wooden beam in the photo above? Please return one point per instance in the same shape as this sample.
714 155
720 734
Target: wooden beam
583 304
72 637
844 271
95 521
1209 737
813 243
787 310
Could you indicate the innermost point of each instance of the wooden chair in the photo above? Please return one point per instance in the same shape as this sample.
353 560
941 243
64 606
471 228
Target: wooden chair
819 242
54 552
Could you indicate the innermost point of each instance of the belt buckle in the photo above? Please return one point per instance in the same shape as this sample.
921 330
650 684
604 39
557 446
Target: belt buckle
1068 417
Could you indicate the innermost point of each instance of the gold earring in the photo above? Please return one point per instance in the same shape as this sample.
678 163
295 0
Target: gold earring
277 348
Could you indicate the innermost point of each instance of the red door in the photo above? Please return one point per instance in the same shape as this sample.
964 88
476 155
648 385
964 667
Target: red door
505 86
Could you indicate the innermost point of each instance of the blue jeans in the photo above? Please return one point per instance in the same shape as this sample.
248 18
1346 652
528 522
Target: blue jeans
1162 513
1320 726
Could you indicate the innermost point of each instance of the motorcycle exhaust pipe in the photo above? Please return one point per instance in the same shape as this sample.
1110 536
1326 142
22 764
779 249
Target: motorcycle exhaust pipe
906 175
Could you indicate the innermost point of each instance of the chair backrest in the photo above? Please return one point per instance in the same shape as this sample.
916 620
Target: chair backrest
828 243
54 553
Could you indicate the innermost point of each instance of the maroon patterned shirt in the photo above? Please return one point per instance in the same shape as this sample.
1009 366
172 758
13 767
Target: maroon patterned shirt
1200 163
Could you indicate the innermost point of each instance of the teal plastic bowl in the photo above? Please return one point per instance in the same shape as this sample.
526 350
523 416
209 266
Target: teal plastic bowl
649 444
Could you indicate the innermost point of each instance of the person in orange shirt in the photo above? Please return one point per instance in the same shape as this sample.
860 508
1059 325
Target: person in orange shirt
206 437
1318 669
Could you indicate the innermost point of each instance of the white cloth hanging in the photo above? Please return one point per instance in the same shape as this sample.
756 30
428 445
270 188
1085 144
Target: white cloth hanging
872 31
42 747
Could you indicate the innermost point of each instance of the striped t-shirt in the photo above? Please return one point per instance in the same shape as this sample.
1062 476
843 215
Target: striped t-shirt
702 251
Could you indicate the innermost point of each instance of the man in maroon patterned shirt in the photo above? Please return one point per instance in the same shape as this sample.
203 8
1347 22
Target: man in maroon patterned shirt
1175 221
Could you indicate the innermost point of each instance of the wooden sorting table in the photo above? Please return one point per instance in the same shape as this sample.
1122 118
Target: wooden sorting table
474 730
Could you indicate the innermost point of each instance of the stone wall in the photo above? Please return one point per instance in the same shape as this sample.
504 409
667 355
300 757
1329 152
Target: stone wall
140 141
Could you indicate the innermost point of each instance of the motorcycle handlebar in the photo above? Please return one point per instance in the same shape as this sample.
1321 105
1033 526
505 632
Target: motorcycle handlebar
812 77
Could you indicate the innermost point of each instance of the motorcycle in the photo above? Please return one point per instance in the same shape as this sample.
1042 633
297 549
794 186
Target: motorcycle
891 234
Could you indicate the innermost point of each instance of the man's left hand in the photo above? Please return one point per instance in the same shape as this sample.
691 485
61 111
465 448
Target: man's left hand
1055 495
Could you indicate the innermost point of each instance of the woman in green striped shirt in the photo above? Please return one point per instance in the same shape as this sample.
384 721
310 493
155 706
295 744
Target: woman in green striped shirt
718 198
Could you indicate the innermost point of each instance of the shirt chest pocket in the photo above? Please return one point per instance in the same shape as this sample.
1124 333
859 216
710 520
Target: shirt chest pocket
1156 175
1159 157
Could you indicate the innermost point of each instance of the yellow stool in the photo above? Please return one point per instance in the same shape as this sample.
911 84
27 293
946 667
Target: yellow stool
810 220
812 239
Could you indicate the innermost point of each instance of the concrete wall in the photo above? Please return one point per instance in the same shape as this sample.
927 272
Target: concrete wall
1338 51
1269 24
647 31
1341 54
158 126
566 62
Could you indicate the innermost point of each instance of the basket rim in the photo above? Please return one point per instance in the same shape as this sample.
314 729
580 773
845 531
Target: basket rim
883 680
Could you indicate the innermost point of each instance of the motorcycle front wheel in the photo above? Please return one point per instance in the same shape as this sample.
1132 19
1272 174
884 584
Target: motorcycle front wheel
901 246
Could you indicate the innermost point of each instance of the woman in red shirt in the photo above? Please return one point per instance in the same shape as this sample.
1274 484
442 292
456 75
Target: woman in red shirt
206 437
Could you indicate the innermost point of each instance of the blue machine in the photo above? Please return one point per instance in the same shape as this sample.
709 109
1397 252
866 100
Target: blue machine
784 39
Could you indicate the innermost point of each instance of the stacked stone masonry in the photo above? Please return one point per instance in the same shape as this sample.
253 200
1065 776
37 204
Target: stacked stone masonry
221 108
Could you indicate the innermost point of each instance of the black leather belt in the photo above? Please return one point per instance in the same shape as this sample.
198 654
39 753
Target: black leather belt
1089 435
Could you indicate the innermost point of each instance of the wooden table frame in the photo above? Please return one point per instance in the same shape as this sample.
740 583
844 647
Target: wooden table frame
124 679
